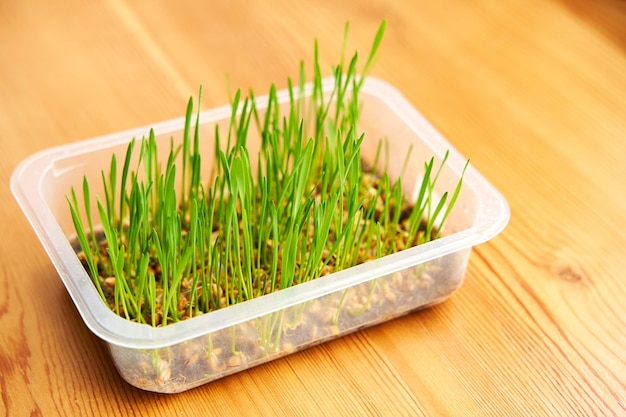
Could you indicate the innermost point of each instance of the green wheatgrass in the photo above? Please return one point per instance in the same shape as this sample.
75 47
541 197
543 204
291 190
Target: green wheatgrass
310 208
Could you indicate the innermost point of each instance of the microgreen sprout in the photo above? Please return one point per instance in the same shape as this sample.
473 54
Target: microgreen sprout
173 245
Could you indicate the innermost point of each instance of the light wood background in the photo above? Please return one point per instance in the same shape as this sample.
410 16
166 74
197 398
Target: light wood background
532 91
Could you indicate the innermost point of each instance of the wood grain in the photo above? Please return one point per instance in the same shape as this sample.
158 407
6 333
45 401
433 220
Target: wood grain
533 92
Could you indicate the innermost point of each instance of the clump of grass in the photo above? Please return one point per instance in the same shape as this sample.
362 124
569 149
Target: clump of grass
311 207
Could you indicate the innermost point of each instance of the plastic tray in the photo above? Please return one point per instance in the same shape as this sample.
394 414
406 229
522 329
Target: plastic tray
184 355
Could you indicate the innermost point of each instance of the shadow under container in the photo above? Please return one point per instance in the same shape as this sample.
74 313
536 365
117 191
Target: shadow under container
184 355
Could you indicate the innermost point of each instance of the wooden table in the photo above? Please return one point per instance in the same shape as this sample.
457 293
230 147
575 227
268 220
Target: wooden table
532 91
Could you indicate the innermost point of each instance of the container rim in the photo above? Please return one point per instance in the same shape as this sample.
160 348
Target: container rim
492 216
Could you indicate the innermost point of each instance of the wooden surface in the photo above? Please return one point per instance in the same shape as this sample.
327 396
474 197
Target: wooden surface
533 92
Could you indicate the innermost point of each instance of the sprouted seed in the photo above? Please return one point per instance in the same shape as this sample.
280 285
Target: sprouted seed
311 206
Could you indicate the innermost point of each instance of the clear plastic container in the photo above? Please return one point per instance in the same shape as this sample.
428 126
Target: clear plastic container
184 355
